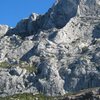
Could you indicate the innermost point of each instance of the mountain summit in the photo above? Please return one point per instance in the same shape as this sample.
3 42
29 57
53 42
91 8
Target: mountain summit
55 53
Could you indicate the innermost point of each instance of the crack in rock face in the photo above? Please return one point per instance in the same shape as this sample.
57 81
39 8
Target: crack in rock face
55 53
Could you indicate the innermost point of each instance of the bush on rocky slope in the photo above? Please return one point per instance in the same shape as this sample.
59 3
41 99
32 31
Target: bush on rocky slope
5 65
26 96
24 65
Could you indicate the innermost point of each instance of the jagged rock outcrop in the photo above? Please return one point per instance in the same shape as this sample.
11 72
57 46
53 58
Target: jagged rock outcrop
63 46
60 13
3 30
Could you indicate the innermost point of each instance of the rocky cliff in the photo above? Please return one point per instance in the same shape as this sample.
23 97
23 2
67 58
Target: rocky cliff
54 53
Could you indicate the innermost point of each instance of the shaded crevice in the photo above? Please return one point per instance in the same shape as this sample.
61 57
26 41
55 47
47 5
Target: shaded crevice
96 32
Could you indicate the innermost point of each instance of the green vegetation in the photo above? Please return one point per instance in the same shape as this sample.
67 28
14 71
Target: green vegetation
28 97
29 67
24 65
5 65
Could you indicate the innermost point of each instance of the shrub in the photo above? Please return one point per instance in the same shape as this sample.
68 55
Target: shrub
26 96
4 64
29 67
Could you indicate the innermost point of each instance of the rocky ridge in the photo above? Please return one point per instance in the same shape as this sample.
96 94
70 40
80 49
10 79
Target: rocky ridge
63 46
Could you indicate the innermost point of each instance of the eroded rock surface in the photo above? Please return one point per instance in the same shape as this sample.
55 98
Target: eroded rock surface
55 53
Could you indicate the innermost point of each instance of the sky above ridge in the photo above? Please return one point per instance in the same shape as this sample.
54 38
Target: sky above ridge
12 11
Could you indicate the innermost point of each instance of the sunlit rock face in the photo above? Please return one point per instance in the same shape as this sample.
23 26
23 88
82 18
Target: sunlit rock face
89 8
3 30
54 53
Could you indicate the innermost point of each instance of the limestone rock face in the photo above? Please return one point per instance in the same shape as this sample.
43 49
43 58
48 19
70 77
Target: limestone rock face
3 30
89 8
54 53
61 13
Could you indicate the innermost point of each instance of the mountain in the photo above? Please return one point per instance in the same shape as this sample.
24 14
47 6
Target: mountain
55 53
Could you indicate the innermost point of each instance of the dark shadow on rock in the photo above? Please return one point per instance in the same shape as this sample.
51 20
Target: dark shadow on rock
95 58
29 54
24 28
59 15
52 35
96 32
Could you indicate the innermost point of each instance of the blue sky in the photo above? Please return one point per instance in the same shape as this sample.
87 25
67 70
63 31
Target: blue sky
12 11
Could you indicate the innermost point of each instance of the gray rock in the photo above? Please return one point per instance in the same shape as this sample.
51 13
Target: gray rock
89 8
3 30
64 50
